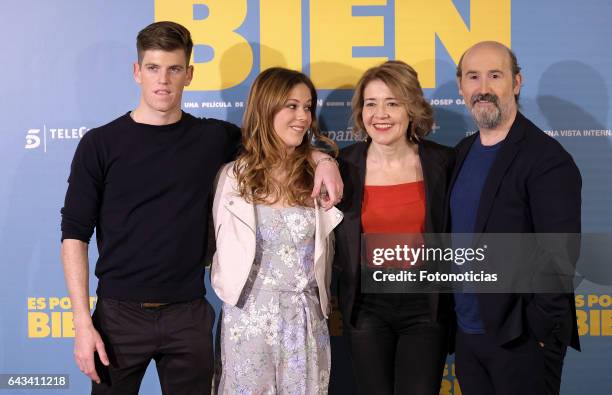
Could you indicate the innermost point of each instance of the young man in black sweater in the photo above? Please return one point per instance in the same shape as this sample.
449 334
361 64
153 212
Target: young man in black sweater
143 182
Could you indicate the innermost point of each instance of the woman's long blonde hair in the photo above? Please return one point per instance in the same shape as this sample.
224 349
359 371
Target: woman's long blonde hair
264 152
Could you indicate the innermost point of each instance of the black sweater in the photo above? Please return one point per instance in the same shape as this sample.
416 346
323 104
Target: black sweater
146 190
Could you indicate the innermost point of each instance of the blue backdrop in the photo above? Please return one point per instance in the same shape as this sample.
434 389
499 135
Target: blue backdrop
67 68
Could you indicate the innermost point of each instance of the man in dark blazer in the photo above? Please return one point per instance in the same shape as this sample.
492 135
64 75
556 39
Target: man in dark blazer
510 177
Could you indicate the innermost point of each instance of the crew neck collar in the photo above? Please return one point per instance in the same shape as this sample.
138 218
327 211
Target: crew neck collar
128 115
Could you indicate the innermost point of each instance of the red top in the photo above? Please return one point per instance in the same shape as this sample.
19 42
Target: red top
394 208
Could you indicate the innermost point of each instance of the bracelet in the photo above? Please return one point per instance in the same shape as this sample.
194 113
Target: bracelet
326 158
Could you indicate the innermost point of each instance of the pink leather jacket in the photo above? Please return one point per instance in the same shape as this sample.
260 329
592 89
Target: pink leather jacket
235 227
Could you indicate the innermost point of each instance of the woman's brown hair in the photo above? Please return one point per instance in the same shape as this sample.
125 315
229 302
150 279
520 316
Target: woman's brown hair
403 81
264 153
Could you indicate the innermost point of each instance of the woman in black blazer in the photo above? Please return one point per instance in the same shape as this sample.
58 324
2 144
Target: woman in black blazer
395 182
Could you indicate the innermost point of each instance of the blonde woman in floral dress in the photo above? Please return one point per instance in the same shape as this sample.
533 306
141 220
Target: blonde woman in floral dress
274 247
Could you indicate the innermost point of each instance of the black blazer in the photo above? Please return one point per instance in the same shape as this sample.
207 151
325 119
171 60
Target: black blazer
533 186
437 164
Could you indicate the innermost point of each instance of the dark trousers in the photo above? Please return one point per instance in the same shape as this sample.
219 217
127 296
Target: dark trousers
523 366
397 350
176 336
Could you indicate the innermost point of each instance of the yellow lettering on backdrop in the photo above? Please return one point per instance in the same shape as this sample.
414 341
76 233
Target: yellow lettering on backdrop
595 322
606 322
38 324
68 324
417 23
456 387
583 326
56 324
579 301
595 329
36 303
280 33
216 31
333 34
450 387
446 387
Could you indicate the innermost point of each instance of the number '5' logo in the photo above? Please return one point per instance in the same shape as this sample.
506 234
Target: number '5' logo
32 139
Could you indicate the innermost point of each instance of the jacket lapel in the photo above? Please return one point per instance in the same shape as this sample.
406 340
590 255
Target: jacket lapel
241 209
431 172
352 214
502 162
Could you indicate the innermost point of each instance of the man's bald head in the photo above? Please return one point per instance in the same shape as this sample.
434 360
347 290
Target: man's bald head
489 79
494 47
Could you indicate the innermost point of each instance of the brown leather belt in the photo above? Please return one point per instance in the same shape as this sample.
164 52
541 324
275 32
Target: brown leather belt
148 305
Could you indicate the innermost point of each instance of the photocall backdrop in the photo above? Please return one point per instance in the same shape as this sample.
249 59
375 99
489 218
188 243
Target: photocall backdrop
67 68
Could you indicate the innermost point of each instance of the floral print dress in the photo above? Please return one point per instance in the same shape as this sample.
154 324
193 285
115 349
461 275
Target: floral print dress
275 340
